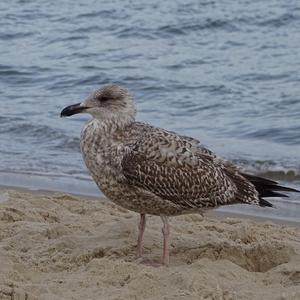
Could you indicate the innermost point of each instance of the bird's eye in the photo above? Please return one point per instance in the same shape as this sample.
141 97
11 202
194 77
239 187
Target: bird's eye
104 98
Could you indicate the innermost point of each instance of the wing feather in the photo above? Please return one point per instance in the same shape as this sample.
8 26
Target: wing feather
176 169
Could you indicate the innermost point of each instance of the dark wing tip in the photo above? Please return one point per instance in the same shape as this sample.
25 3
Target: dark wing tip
268 188
265 203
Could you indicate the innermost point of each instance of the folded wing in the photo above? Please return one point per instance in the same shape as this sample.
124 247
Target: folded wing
179 170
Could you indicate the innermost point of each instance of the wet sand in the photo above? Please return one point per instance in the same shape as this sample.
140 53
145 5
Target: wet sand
59 246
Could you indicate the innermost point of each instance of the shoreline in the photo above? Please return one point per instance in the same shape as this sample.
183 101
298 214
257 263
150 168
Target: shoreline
213 213
287 210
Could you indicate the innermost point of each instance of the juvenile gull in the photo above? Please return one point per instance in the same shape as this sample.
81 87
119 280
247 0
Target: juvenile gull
154 171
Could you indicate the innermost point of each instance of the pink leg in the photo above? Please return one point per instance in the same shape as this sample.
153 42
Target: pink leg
166 234
142 227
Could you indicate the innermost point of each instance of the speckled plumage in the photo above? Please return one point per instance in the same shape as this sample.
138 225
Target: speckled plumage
154 171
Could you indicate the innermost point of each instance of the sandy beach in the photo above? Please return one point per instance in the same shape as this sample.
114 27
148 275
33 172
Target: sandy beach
58 246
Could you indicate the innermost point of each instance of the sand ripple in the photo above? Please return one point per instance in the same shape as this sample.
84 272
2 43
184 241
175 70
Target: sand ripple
57 246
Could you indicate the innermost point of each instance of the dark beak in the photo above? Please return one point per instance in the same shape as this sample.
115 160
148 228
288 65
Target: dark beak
72 110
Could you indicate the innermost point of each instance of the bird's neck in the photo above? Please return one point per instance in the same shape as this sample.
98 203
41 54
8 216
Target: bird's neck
108 127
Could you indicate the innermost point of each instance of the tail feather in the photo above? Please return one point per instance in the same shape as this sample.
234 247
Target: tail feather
268 188
267 194
265 203
254 178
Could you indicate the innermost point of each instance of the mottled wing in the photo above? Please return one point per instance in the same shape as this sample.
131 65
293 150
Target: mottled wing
195 143
175 169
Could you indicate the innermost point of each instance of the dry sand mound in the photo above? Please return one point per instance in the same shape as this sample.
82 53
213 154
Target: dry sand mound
55 246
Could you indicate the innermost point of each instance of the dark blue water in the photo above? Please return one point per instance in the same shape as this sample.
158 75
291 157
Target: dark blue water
227 73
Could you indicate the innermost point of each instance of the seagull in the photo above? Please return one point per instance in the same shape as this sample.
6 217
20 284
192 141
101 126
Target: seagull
154 171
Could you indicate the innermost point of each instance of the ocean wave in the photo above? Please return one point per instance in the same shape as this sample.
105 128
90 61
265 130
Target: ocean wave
195 25
104 14
270 169
260 77
38 134
284 175
6 70
278 21
62 82
23 76
287 136
183 28
15 35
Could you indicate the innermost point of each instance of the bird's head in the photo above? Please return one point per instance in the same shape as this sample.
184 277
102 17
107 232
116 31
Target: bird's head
108 103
